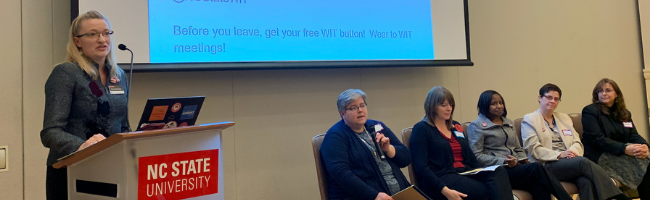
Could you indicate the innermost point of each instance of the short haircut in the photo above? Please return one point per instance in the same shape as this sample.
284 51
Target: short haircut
484 102
348 96
436 97
548 88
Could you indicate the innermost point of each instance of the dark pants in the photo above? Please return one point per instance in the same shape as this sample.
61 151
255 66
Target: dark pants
482 186
644 186
592 180
535 179
56 184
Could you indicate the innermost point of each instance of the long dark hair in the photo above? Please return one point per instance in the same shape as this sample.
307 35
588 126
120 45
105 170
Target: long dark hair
484 102
619 111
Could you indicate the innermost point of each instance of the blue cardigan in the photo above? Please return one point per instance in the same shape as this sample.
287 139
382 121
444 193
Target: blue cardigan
433 157
352 169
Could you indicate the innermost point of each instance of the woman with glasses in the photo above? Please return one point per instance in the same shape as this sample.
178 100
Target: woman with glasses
85 99
362 156
611 138
441 151
550 139
494 141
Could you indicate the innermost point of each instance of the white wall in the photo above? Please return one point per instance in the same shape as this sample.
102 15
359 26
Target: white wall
517 47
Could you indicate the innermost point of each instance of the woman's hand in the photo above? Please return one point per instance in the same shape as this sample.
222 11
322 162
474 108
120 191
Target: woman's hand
452 194
637 150
383 196
524 161
92 140
384 142
568 154
511 161
629 149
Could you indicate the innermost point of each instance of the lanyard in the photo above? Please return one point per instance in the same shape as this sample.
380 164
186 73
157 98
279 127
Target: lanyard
370 146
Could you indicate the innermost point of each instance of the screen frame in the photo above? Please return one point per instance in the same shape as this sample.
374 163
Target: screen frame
221 66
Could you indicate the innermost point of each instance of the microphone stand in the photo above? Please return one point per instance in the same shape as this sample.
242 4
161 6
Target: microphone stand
130 76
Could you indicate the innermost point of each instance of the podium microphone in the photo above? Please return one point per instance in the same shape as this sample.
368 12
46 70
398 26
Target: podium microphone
123 48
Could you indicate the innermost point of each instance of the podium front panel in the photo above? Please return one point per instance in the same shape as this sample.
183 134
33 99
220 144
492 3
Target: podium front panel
177 166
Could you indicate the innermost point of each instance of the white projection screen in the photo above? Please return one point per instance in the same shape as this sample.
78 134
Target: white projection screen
183 35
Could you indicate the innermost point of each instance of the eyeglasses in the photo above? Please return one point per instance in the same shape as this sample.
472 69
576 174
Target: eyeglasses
605 90
356 108
95 35
549 97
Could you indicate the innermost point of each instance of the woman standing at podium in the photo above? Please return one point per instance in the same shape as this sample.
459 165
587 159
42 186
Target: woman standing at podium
85 99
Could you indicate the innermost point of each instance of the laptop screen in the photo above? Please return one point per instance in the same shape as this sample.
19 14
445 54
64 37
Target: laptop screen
162 113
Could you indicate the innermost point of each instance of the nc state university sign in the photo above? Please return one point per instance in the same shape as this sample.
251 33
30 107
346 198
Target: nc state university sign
178 176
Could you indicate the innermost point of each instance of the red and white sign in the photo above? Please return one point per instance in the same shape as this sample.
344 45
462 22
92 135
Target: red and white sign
179 175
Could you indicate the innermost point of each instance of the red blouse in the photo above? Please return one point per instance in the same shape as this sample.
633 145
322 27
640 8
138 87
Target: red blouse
456 149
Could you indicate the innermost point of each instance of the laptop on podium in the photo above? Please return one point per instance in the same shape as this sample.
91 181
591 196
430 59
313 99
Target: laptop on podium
163 113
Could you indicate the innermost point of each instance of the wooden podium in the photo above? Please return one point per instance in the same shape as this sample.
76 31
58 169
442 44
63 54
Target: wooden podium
177 163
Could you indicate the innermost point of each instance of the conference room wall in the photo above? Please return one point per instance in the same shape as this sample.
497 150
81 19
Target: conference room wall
11 101
517 47
644 22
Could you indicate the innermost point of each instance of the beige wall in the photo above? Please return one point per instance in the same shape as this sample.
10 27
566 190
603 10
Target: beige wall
644 22
517 46
11 116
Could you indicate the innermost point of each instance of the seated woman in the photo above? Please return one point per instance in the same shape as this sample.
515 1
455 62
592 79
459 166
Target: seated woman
440 151
612 141
494 141
362 156
550 139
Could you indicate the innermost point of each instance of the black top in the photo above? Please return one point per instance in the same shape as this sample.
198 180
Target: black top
433 157
602 133
351 167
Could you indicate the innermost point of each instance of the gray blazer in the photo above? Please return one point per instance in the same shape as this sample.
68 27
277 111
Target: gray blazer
77 107
491 143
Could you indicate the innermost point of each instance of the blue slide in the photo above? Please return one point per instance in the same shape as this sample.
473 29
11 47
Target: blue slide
289 30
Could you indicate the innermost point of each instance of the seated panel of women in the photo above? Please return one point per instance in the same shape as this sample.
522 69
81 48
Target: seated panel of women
611 138
362 156
549 138
441 151
494 141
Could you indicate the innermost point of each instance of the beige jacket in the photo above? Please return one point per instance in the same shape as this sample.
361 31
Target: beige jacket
538 140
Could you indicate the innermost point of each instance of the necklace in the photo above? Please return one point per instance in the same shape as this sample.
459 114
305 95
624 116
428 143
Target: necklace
549 126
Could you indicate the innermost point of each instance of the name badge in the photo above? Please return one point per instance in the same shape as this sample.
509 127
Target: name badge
567 132
459 134
115 89
628 125
378 128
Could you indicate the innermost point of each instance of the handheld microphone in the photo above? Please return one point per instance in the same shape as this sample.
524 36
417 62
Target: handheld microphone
373 135
123 48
